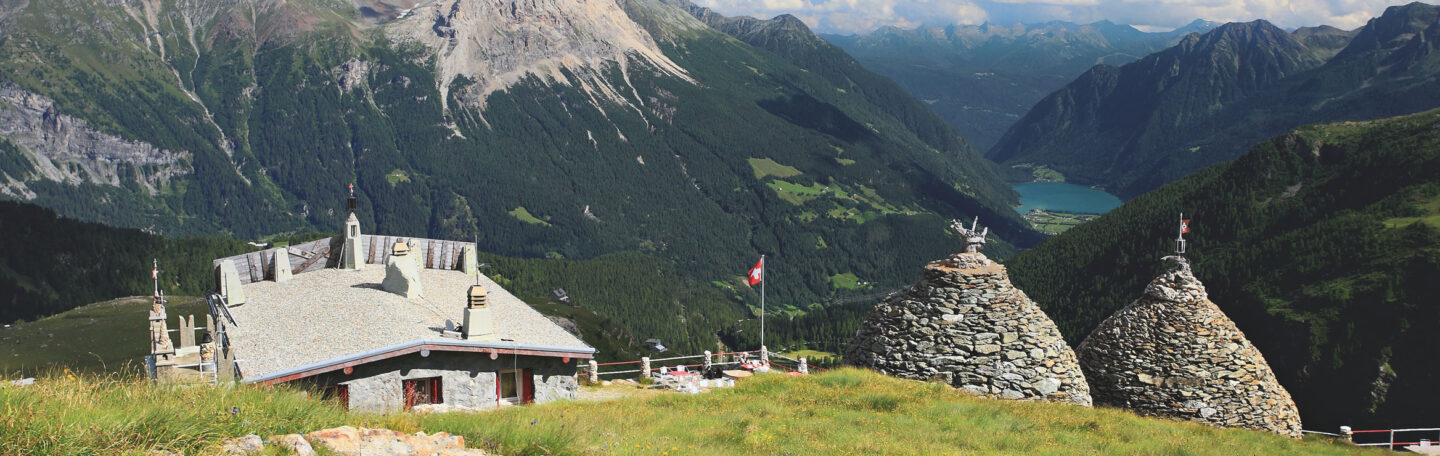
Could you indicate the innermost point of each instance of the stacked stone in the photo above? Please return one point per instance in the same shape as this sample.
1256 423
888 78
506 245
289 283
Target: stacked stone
1173 353
966 324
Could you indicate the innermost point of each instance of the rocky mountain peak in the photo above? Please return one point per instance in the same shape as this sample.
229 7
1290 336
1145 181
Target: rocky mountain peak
496 43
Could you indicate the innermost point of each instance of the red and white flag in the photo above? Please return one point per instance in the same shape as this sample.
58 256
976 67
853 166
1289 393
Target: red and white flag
757 273
154 273
1184 226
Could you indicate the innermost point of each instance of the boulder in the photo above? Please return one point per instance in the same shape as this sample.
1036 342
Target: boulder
966 324
346 440
1173 353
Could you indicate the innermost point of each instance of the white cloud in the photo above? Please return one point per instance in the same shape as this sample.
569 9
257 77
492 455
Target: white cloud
858 16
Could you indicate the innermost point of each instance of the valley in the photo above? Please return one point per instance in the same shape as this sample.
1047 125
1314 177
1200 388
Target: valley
620 166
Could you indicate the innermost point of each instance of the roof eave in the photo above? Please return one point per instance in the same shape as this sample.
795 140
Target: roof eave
495 348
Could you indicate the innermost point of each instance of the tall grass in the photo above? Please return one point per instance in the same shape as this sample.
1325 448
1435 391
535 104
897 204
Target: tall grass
844 411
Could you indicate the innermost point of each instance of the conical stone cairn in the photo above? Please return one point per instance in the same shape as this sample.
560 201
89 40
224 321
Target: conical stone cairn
1173 353
966 324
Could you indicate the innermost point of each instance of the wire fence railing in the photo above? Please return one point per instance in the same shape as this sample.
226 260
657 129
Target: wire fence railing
648 367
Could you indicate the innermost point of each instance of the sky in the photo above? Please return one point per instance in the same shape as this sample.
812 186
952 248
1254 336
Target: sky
861 16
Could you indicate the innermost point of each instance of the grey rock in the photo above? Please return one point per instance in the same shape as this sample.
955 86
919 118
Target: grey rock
1008 345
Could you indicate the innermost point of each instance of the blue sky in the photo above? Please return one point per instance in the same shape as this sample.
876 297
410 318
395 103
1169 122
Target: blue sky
859 16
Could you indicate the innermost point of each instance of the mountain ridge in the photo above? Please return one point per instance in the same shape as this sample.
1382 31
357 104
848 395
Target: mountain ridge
1288 80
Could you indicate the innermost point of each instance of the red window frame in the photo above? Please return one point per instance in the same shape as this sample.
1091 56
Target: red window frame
420 391
340 393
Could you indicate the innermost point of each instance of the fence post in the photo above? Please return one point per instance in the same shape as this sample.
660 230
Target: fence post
803 368
709 360
764 356
645 367
594 372
1346 434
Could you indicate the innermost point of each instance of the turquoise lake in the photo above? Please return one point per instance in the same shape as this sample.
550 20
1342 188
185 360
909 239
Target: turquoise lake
1063 197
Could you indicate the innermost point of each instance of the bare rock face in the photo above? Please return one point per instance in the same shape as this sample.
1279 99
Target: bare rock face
1173 353
965 323
498 43
66 149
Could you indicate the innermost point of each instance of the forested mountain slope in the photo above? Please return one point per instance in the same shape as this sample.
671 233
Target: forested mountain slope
983 78
1322 244
563 129
1133 128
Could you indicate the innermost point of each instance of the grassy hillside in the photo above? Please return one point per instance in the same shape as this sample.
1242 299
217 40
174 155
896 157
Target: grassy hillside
840 412
1320 244
103 337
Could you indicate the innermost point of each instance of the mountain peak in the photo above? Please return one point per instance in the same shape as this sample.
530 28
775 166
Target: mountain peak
496 45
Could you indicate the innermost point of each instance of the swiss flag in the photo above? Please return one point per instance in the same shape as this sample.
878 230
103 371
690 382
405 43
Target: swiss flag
154 273
1184 226
757 273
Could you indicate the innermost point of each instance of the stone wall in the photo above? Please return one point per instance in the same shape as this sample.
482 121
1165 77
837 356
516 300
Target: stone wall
1173 353
966 324
467 380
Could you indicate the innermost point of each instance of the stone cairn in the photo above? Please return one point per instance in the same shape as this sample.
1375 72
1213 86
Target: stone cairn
1173 353
964 323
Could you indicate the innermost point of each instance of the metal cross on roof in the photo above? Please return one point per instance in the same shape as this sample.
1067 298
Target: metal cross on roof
974 237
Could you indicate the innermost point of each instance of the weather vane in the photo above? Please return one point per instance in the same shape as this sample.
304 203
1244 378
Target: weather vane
1180 240
974 237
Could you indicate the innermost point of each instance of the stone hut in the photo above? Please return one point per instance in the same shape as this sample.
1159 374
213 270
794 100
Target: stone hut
1173 353
966 324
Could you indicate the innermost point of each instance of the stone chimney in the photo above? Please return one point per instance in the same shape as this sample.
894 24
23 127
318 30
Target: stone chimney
280 264
354 244
479 322
402 273
229 283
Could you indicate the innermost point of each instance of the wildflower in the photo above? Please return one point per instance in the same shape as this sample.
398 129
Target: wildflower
532 422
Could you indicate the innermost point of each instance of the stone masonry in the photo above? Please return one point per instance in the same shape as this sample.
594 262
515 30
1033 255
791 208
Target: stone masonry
1173 353
966 324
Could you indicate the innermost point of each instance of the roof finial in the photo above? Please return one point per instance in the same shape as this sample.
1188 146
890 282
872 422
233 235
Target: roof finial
973 236
351 201
1180 240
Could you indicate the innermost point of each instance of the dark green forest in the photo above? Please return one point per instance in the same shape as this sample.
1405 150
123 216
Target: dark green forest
50 264
1323 245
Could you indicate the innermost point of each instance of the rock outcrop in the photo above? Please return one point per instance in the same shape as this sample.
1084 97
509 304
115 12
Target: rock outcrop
966 324
496 44
65 149
1173 353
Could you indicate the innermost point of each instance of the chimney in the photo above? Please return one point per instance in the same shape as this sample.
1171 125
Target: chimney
479 321
354 245
402 273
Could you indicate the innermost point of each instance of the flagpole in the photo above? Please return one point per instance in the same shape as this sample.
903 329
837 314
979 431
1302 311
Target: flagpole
762 301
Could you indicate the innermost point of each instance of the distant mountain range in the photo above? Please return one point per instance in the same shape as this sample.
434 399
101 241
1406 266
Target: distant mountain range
983 78
1132 128
1322 244
556 129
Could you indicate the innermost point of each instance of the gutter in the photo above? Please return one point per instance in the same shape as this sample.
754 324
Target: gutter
493 347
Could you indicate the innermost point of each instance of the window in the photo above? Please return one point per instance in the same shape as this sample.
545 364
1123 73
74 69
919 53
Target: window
420 391
338 393
515 386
